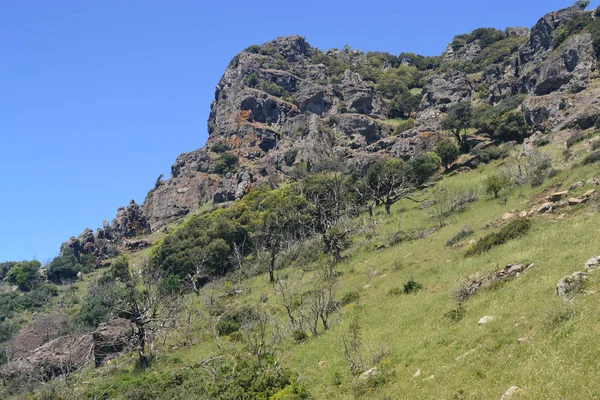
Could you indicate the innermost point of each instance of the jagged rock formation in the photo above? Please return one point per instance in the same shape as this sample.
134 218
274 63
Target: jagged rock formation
285 107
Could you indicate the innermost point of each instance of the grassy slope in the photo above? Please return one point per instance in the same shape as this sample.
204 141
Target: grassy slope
467 361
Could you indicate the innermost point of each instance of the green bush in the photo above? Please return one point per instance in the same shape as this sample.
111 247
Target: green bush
592 158
350 297
403 105
447 150
228 162
232 321
64 268
412 286
460 236
220 148
513 230
252 80
299 335
255 49
24 274
423 167
290 157
404 126
494 184
489 154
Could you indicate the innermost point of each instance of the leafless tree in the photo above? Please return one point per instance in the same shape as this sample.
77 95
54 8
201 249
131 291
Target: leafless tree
152 305
320 301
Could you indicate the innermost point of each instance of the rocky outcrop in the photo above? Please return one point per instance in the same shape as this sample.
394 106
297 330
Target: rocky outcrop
130 222
57 357
36 357
442 91
111 339
35 334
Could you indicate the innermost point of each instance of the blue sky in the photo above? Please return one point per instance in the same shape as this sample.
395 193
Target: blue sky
98 98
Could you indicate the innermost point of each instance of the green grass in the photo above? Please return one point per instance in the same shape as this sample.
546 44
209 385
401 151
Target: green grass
467 361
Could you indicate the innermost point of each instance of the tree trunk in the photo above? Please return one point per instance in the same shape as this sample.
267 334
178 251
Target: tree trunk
141 348
388 207
272 264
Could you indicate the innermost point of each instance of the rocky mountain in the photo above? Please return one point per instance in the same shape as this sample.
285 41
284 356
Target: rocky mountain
285 107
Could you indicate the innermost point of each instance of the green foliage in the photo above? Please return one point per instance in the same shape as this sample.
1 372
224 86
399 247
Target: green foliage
403 105
412 286
350 298
504 121
592 158
64 268
495 183
228 162
420 62
404 126
13 303
299 335
490 153
447 150
220 148
242 377
498 52
460 236
422 167
573 26
252 80
119 269
290 157
5 267
24 274
272 88
512 230
486 37
232 321
255 49
456 314
459 119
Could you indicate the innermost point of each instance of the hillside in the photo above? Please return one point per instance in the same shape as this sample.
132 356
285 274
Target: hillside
358 225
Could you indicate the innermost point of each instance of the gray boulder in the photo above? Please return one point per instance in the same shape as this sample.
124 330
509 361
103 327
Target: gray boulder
571 284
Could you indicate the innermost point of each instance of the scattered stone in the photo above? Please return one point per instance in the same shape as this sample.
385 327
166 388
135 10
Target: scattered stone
486 319
507 216
523 214
468 353
557 196
544 208
524 340
576 185
589 193
321 363
593 263
570 284
573 201
429 378
367 374
417 374
509 393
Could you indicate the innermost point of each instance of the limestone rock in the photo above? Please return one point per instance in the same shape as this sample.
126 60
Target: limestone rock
509 394
35 334
486 320
571 284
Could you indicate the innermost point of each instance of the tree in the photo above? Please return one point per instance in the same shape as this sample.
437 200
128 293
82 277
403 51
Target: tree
447 150
458 120
24 274
392 179
494 184
283 218
331 211
151 301
403 105
64 268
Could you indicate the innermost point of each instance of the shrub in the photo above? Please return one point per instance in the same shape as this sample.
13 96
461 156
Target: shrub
412 286
404 126
290 156
403 105
456 314
253 49
24 274
272 88
232 321
447 150
396 291
424 166
228 162
350 297
513 230
592 158
219 148
299 335
252 80
490 153
460 236
64 268
494 184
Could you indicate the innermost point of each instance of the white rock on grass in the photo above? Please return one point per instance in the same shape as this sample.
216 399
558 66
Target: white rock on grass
509 393
485 320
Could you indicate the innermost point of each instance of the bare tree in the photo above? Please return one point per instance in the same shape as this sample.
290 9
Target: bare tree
290 291
320 301
152 304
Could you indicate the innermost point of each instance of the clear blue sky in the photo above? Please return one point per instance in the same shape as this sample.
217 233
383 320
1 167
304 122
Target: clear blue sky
97 98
